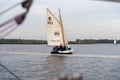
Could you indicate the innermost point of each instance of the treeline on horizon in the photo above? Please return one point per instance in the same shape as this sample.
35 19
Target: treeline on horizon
77 41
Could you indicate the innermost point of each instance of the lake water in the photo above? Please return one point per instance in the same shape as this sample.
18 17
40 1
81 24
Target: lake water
34 62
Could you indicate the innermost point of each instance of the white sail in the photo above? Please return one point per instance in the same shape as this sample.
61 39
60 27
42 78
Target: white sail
115 41
54 30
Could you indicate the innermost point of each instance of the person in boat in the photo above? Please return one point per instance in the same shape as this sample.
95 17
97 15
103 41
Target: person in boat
62 48
55 49
68 47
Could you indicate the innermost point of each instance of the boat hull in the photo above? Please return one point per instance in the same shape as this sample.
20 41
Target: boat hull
63 52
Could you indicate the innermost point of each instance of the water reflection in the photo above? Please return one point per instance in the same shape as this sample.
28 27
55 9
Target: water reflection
55 65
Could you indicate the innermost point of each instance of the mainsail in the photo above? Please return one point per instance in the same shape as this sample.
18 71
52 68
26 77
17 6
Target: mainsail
115 41
55 32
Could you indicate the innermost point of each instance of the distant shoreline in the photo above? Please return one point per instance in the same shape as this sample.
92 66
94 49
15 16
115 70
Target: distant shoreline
78 41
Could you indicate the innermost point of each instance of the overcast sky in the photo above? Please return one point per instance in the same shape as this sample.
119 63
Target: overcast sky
82 19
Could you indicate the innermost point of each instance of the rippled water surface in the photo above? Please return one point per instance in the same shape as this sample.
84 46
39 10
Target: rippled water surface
35 65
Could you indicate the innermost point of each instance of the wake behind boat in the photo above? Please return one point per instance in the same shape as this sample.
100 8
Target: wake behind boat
56 36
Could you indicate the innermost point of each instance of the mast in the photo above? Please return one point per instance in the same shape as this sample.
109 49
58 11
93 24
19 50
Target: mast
62 28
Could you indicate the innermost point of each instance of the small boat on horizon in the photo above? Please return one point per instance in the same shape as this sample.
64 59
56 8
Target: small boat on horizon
56 36
115 41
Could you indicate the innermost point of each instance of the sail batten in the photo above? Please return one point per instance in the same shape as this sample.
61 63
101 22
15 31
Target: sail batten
55 32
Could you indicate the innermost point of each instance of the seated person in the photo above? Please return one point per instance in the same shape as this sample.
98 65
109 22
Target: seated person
68 47
62 48
55 49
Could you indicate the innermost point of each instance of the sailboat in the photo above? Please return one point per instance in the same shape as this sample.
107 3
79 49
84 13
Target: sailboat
115 42
55 34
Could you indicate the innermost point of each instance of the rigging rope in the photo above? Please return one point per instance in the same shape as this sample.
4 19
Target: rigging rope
10 72
3 12
17 19
6 28
10 31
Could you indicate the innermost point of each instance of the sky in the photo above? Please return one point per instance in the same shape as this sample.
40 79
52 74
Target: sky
82 19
